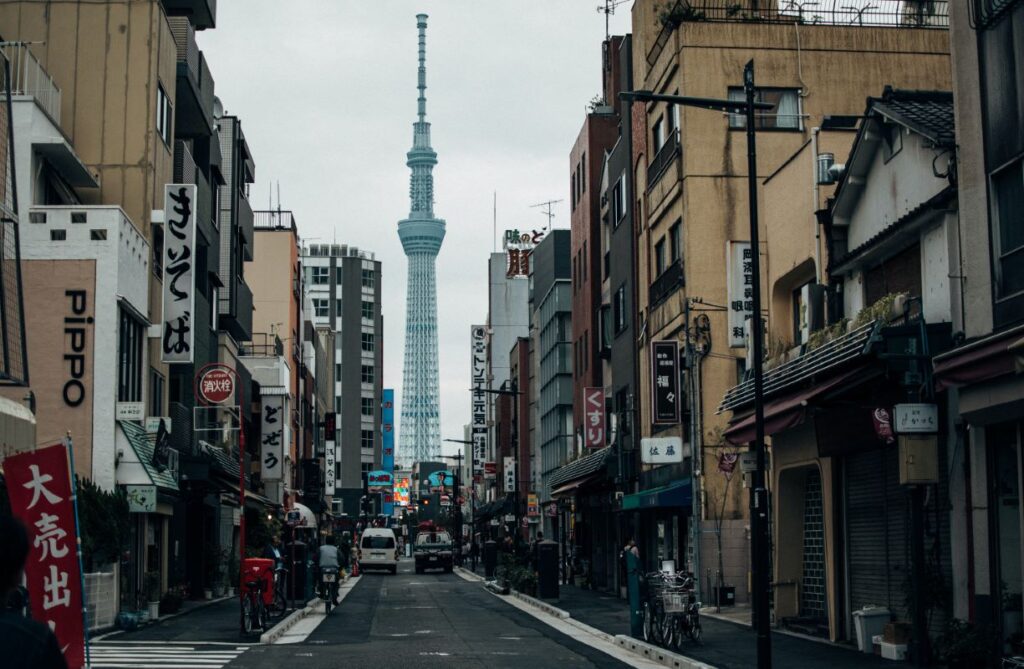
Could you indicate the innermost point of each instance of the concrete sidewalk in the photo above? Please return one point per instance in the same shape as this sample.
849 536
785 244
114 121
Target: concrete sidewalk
725 645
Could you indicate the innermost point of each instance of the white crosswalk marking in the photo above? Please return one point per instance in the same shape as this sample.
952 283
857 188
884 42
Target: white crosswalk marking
115 655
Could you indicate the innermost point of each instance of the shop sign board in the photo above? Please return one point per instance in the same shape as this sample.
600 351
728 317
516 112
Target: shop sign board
177 337
665 392
272 437
661 450
479 406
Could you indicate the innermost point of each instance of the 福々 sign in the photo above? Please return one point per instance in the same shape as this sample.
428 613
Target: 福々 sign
665 382
661 450
177 337
478 365
916 418
510 474
39 487
379 481
593 417
740 280
518 247
272 421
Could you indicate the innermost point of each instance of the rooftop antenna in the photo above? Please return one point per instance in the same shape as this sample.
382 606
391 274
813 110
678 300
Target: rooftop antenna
550 214
495 221
608 9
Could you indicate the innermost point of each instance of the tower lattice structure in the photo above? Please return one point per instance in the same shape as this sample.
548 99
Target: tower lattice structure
421 235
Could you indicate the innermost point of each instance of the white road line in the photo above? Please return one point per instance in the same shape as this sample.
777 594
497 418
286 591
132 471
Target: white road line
157 655
303 628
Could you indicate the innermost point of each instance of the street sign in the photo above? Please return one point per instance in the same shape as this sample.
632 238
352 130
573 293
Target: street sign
379 481
215 385
510 474
532 506
141 498
748 462
490 470
594 419
916 418
665 382
130 411
661 450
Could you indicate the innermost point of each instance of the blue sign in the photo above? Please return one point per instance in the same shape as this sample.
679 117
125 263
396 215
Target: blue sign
441 479
388 449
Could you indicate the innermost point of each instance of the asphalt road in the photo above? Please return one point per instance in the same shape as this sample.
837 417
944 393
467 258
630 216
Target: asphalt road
428 620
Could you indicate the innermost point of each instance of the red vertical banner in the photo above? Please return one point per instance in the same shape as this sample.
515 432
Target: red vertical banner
39 485
593 417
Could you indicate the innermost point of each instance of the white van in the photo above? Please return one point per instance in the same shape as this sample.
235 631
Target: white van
378 549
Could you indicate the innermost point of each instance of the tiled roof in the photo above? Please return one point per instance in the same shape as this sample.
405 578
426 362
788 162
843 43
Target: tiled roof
222 461
579 468
929 113
143 444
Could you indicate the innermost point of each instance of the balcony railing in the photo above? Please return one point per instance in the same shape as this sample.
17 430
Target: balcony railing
662 159
185 40
669 282
274 220
29 78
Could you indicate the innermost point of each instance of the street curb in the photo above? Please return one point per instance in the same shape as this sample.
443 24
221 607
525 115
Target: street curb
658 654
542 605
100 634
278 630
468 575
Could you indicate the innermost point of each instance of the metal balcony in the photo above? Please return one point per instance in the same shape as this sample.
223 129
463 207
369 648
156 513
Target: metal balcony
201 13
670 281
29 78
662 159
245 227
194 111
187 172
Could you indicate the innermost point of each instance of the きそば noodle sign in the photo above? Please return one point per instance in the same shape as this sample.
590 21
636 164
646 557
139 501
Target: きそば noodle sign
39 486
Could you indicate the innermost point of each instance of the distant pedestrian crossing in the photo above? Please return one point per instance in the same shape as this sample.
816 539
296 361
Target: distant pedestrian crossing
149 655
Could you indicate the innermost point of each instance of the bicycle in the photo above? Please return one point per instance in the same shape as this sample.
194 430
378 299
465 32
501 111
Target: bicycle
682 610
279 603
254 611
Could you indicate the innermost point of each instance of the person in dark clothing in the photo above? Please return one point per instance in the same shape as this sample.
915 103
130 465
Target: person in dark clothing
535 549
24 643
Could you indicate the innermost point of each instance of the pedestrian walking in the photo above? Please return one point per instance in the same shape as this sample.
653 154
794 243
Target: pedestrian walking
24 643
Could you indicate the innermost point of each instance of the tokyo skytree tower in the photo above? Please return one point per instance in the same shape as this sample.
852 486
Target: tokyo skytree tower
421 235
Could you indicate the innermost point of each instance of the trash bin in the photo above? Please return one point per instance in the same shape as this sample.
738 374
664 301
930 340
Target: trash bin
490 558
547 570
295 559
869 621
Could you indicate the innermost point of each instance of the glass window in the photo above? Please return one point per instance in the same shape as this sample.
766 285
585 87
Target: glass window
156 393
619 309
163 114
130 340
1008 202
367 342
658 134
659 257
618 201
368 310
337 371
378 542
675 241
368 278
367 374
366 406
366 439
321 307
321 276
784 115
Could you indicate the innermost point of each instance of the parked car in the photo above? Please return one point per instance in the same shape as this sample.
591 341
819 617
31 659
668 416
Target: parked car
378 549
433 550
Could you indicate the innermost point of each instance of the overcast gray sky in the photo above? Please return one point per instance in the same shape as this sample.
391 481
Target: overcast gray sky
326 91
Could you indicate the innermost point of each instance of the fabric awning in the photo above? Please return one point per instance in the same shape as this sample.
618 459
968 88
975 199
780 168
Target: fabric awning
789 411
673 495
568 489
978 361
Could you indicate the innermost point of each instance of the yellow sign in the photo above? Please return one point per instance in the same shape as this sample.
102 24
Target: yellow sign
532 507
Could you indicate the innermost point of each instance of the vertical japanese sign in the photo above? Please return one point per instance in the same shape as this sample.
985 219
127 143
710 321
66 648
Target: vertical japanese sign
518 247
740 280
178 337
272 420
593 418
387 460
478 362
39 486
665 398
510 474
330 453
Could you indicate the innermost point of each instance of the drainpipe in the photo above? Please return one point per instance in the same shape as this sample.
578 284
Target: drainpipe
817 203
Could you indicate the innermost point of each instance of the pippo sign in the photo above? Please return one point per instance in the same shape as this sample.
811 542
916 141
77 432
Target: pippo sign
215 385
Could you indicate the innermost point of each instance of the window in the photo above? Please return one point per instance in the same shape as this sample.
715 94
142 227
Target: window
369 280
367 342
337 405
1008 237
337 371
98 235
659 257
163 114
367 467
583 262
367 374
58 235
158 250
79 217
320 276
322 308
658 135
366 440
619 309
37 217
675 240
130 339
583 174
338 275
214 309
618 202
672 116
784 115
156 393
368 310
366 406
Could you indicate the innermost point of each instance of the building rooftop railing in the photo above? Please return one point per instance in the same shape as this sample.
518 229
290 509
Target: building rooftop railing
28 77
933 14
279 219
336 250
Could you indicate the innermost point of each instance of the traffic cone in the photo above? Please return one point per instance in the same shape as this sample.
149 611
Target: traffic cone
355 567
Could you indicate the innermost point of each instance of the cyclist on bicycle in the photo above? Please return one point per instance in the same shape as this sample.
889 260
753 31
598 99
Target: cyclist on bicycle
328 556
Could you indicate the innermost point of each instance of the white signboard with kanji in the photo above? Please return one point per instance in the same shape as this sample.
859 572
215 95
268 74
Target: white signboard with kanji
272 434
740 280
916 418
661 450
478 365
177 336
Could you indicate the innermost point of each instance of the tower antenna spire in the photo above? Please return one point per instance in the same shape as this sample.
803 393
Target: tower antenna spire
547 211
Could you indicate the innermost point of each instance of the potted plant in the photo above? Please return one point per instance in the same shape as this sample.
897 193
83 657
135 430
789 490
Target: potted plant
231 573
152 588
965 645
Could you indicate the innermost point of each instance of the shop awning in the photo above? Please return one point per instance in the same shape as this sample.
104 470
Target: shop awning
977 361
580 468
137 464
786 412
674 495
253 500
570 488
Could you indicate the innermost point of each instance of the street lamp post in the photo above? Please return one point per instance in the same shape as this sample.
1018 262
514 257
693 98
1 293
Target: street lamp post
457 493
513 392
758 492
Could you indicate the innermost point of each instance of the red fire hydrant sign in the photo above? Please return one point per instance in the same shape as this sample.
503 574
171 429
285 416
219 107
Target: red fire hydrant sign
39 486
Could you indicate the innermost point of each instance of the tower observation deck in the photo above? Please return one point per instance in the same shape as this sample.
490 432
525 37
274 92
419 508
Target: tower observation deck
421 235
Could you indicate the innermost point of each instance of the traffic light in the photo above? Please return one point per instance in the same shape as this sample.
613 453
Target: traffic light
425 501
